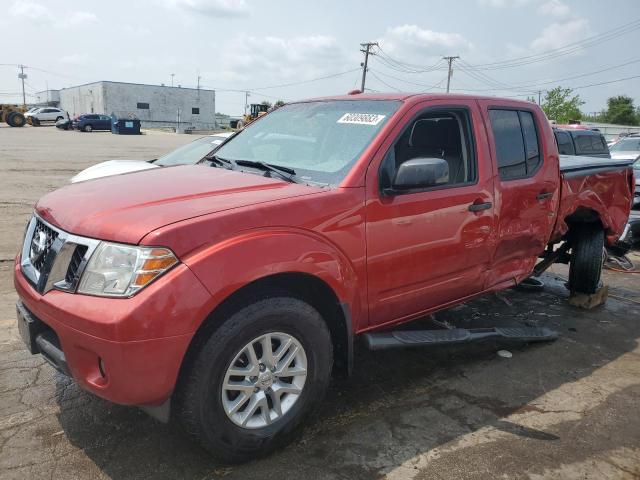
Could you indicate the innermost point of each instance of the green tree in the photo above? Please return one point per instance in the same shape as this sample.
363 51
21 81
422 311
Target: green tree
621 110
278 103
561 105
267 103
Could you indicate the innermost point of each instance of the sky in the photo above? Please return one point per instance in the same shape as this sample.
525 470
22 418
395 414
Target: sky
286 49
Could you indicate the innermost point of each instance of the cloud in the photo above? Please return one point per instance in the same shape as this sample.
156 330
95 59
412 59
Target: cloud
271 59
555 8
503 3
80 18
74 59
30 10
214 8
411 40
559 34
34 12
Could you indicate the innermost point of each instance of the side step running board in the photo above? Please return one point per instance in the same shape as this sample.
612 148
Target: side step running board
418 338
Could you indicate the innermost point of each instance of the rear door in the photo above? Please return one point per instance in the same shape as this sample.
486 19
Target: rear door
105 122
427 248
46 114
527 188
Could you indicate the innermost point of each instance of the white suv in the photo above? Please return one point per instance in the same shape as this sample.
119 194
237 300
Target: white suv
46 114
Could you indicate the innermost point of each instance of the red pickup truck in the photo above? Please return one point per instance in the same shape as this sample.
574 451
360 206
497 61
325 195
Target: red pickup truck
224 295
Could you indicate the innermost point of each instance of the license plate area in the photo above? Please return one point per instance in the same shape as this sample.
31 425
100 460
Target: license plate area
29 327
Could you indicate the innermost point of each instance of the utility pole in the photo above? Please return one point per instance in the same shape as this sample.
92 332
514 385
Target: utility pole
450 60
246 101
22 76
172 75
366 49
199 77
539 93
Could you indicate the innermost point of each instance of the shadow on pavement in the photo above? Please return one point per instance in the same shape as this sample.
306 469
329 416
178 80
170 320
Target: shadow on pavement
404 403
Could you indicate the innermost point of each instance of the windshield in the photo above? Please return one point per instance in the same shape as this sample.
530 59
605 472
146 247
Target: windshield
636 165
626 145
191 153
319 140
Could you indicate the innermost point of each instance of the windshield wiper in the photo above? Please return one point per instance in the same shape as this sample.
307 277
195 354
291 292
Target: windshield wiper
280 170
216 160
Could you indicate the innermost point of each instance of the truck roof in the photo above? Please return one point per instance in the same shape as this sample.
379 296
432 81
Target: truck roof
413 97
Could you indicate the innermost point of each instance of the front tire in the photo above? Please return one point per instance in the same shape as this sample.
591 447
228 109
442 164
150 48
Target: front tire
587 258
87 128
238 397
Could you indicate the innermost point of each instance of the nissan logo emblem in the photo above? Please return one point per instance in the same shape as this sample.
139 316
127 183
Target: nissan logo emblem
38 244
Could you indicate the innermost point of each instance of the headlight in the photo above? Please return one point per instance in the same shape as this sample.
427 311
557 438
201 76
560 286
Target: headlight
116 270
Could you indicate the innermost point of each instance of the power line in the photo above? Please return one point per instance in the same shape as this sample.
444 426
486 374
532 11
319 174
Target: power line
537 84
409 81
301 82
563 50
383 82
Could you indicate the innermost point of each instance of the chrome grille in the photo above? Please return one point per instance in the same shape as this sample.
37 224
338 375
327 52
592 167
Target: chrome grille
53 258
41 243
72 275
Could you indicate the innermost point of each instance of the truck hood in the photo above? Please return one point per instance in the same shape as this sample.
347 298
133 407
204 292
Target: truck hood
125 208
112 167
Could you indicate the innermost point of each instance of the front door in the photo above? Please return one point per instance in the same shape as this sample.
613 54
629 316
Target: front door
429 248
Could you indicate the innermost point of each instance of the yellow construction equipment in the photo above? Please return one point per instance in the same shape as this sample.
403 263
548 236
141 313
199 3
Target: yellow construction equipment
12 114
256 110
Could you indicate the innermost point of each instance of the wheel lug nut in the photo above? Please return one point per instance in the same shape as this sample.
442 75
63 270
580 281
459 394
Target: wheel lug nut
262 367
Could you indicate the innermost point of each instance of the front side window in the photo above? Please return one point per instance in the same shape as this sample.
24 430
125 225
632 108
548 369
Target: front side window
443 134
321 140
516 142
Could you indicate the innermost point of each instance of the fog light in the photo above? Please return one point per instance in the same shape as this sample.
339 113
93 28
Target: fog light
101 367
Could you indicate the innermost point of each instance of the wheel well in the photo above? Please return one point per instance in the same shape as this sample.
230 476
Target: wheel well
306 287
583 216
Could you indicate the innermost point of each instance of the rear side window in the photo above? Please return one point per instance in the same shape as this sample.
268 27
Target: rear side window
565 144
517 146
584 144
600 144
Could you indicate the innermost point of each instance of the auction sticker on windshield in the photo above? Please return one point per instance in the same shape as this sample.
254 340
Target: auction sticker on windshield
361 118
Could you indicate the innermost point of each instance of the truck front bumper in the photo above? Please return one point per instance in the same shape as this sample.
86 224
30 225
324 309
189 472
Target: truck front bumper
128 351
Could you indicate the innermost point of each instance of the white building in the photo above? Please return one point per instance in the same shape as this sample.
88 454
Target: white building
155 105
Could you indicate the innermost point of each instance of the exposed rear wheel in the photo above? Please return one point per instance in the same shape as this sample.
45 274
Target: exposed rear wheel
587 250
16 119
256 378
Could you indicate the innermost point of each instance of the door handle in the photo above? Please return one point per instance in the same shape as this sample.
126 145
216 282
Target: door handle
477 207
544 195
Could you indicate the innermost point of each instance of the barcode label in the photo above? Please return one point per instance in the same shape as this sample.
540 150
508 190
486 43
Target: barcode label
361 118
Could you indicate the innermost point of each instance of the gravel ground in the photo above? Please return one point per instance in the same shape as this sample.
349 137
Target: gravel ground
563 410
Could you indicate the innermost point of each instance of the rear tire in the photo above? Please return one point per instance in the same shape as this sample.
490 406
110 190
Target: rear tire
16 119
585 267
202 402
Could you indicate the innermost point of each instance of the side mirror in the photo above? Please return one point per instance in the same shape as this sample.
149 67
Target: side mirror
421 173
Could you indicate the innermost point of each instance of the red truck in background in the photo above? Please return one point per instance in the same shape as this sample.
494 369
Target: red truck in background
224 295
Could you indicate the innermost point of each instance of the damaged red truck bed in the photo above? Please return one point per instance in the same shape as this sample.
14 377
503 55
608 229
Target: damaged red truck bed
224 295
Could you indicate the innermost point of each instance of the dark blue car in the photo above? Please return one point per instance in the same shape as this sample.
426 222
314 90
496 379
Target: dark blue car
92 121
